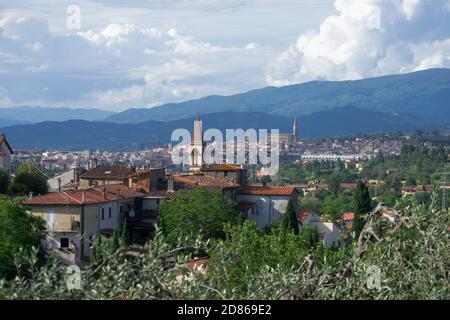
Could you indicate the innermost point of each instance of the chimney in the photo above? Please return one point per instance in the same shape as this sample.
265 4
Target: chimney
104 193
170 184
83 197
30 195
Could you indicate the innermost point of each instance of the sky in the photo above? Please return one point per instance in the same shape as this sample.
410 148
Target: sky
114 55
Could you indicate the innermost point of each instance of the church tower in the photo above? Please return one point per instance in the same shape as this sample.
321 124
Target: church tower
293 141
197 146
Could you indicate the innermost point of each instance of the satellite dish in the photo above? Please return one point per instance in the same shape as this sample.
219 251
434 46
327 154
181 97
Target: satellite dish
131 214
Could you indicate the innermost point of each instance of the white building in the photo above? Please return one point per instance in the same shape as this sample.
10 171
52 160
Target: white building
329 232
265 205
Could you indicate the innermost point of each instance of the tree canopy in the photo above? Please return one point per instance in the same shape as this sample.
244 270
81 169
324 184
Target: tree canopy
194 212
18 231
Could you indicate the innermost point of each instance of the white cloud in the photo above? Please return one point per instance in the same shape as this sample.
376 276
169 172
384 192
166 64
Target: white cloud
368 38
120 66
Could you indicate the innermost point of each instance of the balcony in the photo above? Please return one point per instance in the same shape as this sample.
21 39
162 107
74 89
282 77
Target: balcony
64 226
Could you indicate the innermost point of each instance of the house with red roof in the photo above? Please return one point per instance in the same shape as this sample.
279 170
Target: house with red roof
133 178
75 218
5 154
266 204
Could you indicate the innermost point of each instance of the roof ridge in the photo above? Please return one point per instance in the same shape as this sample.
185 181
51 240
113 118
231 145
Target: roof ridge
69 196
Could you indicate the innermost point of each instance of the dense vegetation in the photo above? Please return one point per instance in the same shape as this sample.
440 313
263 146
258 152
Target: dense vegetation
19 232
196 212
27 179
415 166
412 262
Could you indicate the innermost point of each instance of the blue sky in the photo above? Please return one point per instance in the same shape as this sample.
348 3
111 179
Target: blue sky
125 54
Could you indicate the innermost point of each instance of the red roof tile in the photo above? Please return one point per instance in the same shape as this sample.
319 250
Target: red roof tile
90 196
203 181
221 167
268 191
348 216
110 172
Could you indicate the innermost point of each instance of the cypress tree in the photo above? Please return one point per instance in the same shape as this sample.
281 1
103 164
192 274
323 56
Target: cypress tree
124 233
290 220
362 206
115 242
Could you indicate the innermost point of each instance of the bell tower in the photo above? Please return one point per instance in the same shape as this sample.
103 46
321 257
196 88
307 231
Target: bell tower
197 146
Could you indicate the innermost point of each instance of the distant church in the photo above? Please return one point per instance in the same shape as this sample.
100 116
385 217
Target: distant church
288 140
196 148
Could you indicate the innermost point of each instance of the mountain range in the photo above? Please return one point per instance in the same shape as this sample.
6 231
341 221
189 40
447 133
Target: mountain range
26 114
323 108
425 94
79 134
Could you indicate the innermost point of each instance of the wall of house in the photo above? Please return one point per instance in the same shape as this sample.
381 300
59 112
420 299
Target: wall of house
5 157
268 209
329 231
53 241
61 180
58 218
90 226
151 203
107 221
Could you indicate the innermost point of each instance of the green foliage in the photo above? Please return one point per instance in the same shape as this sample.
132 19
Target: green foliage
362 207
195 212
309 236
115 242
124 237
247 254
413 261
18 231
4 181
290 220
28 182
333 207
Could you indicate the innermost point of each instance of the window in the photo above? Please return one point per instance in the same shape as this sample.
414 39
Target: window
64 242
121 209
225 174
103 213
110 212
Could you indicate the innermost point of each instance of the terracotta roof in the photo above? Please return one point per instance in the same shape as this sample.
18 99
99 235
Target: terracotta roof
110 172
3 139
348 216
303 215
347 185
75 197
221 167
160 194
417 188
90 196
204 181
268 191
121 190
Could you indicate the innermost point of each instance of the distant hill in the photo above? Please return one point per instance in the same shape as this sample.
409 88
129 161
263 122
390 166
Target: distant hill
11 122
424 94
77 134
39 114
